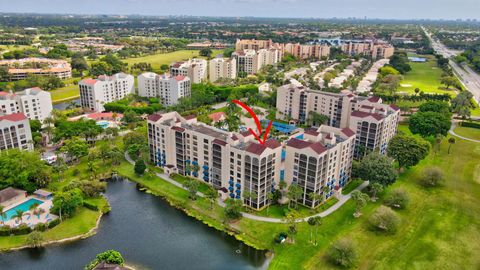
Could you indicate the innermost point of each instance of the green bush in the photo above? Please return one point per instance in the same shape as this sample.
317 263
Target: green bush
342 253
384 219
22 229
90 205
398 198
470 124
40 227
5 230
53 223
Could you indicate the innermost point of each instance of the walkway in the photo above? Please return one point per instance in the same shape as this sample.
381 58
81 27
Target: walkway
341 200
454 125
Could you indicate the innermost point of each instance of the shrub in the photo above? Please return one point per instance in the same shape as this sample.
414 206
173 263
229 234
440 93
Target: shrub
90 205
22 229
35 239
384 219
53 223
470 124
109 256
5 230
41 227
342 253
431 177
398 198
140 167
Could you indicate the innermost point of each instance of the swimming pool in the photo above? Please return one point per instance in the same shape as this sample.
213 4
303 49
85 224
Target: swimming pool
103 124
25 206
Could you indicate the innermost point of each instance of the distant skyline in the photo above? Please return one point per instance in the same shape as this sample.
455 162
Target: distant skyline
382 9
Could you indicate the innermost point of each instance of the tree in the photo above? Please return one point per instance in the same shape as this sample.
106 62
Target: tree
316 119
192 186
360 200
291 220
314 222
211 194
18 215
449 81
429 124
388 70
34 239
109 256
251 196
294 193
271 199
342 253
66 203
375 188
417 90
407 150
23 169
206 52
399 61
435 106
75 148
312 196
462 104
377 168
140 167
397 198
384 219
431 177
451 141
78 62
233 209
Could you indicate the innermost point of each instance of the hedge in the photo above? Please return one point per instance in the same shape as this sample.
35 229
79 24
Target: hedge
470 124
90 206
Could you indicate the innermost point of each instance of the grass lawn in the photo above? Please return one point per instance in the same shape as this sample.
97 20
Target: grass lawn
351 186
472 133
279 211
4 48
66 93
476 111
81 223
425 76
156 60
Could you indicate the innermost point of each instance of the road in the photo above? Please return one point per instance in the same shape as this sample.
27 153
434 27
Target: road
468 77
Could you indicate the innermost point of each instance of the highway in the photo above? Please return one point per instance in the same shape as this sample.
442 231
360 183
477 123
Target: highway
469 78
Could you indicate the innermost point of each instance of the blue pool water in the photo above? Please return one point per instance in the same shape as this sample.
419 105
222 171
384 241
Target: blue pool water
103 124
25 206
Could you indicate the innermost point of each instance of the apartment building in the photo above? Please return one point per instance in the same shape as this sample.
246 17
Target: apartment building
374 122
374 49
303 51
195 69
15 132
34 103
320 162
251 61
94 93
231 162
222 68
19 69
169 89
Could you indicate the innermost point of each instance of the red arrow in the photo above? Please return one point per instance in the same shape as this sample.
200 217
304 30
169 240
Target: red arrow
257 122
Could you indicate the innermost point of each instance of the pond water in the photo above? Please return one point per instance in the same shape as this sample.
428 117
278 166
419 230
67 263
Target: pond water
150 234
63 105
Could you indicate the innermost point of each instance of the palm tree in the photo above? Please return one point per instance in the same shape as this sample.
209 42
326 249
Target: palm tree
3 215
325 190
211 194
270 197
314 222
33 207
314 197
360 200
451 141
18 215
250 195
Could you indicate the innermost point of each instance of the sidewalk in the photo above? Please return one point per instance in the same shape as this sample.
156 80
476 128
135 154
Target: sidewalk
341 200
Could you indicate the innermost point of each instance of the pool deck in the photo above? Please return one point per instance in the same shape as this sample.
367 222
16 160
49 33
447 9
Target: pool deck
28 217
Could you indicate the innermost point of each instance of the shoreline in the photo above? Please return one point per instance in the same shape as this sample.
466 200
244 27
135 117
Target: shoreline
91 232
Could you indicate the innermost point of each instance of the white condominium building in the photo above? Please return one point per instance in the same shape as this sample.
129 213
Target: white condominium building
195 69
15 132
231 162
302 51
375 49
251 61
94 93
374 122
169 89
34 103
320 162
222 68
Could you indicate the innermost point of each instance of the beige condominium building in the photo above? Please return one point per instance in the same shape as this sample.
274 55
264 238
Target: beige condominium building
19 69
232 162
303 51
375 49
94 93
15 132
220 68
320 162
195 69
374 122
169 89
250 61
34 103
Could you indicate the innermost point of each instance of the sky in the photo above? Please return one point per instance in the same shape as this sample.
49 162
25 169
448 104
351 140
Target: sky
384 9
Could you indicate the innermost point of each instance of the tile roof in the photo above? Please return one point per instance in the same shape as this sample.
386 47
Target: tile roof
217 116
348 132
219 142
179 129
256 148
154 117
14 117
179 78
366 114
9 193
300 144
312 131
272 144
394 107
374 99
189 117
89 81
